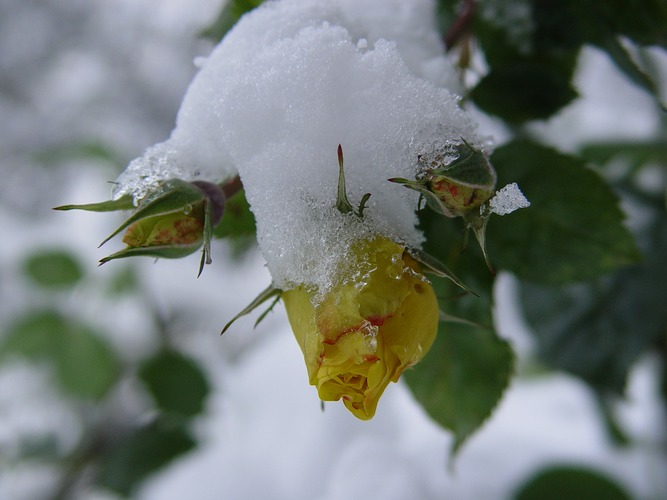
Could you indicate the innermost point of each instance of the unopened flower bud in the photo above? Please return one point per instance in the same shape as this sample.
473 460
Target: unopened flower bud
366 330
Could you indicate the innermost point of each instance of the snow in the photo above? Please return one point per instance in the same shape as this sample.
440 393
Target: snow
288 84
508 199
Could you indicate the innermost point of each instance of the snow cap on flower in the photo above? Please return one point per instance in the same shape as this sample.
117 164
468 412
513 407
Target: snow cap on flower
291 81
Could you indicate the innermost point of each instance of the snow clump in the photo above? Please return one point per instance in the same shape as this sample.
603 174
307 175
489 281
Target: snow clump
508 199
291 81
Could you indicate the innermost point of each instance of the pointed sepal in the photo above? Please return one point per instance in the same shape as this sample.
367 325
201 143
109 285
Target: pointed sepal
342 202
122 203
268 293
431 265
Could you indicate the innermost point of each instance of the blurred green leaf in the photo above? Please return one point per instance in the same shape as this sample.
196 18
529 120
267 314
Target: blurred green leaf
53 268
573 230
522 91
571 483
177 383
35 335
84 364
624 62
141 453
639 153
231 12
86 150
643 22
598 330
124 281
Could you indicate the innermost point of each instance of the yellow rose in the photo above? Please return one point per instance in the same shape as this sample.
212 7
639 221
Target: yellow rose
368 329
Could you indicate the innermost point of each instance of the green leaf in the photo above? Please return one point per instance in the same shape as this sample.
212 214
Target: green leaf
571 482
462 378
53 268
229 15
640 152
35 335
522 91
177 383
599 330
84 364
573 230
643 23
464 375
123 281
623 61
142 453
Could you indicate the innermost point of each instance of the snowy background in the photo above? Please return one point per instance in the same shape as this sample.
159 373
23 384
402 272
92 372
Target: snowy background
113 73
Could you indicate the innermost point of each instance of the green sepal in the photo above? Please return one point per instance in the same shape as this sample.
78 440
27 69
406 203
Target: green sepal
261 317
342 202
437 268
450 318
432 201
476 221
171 196
208 234
122 203
471 168
164 251
268 293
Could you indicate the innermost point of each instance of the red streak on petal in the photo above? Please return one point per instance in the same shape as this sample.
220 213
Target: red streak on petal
378 320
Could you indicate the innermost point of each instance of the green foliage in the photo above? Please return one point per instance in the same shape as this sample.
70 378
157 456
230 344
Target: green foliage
230 13
84 364
574 228
597 330
531 48
53 268
176 383
573 483
523 91
142 452
463 377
